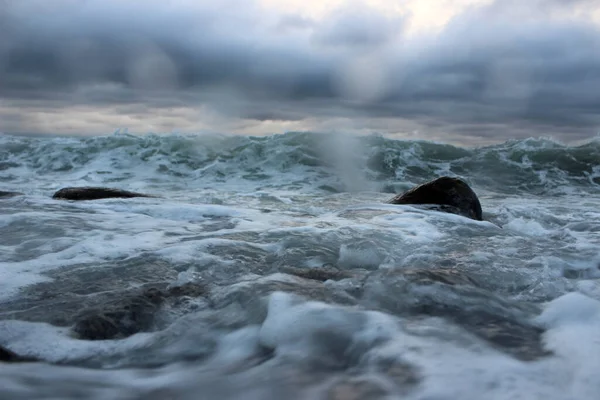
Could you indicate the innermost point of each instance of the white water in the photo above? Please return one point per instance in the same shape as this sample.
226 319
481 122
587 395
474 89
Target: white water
263 333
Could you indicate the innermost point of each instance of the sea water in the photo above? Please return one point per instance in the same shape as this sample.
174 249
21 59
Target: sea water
312 286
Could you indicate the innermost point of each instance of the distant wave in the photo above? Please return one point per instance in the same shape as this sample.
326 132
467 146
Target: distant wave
339 162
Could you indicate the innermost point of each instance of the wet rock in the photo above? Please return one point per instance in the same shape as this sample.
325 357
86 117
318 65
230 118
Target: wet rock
8 195
321 274
76 288
521 340
448 276
504 324
447 194
94 193
9 356
503 331
249 294
184 298
126 316
121 319
189 289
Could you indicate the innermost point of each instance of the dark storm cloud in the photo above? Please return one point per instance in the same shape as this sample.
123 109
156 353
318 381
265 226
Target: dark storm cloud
358 26
490 68
503 65
140 47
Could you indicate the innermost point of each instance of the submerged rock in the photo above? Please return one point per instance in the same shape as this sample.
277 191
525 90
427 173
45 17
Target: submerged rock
121 319
448 276
507 333
127 316
8 356
94 193
8 195
453 295
249 293
449 195
522 340
188 289
321 274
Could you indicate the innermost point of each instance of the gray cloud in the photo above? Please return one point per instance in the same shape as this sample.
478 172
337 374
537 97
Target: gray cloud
358 27
491 71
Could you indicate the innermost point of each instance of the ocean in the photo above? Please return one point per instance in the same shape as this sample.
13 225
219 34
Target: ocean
272 267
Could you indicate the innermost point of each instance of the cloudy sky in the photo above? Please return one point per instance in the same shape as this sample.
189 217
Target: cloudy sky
466 71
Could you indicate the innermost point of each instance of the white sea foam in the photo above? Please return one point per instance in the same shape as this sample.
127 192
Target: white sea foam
235 210
298 329
530 227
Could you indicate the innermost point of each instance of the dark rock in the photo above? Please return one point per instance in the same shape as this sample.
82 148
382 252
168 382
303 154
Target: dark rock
448 276
520 339
76 288
94 193
8 356
503 324
506 333
248 294
321 274
449 194
188 289
121 319
8 195
127 316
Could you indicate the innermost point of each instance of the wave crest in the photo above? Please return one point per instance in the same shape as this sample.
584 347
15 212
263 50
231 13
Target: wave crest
301 160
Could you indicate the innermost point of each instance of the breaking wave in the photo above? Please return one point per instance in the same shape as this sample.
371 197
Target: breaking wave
300 161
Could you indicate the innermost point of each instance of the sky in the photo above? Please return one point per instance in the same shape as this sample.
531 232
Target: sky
458 71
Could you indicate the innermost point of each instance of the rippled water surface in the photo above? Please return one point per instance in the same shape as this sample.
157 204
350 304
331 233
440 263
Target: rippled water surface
272 268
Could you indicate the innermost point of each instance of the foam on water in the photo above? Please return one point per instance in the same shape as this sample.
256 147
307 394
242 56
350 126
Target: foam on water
522 225
311 332
295 161
307 284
